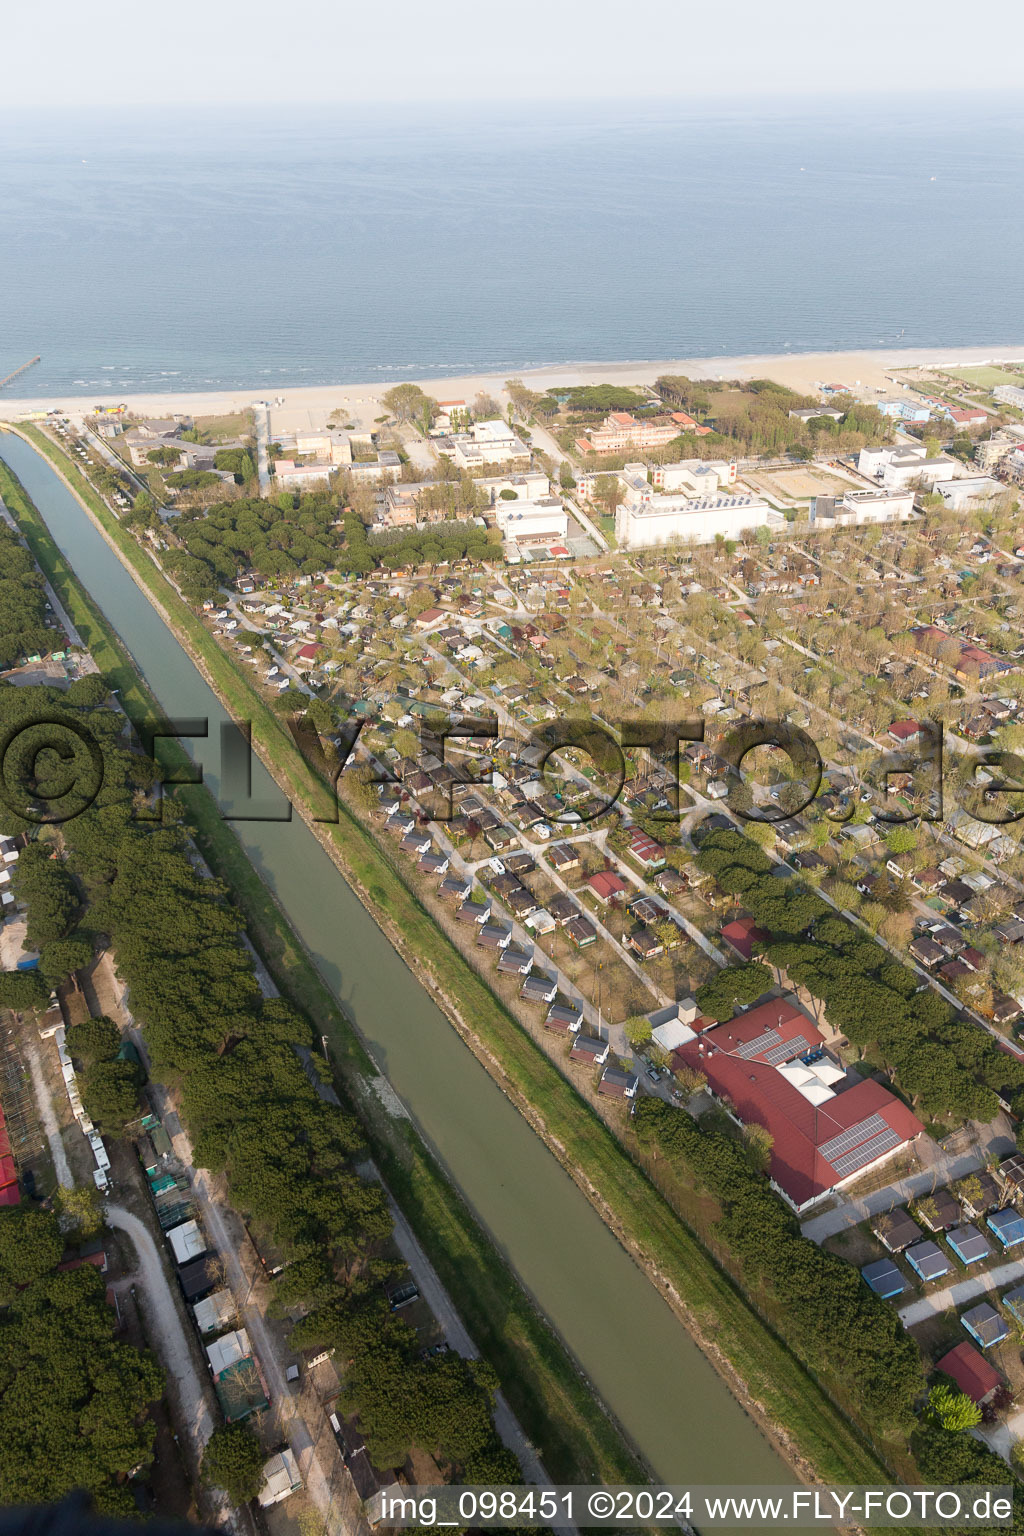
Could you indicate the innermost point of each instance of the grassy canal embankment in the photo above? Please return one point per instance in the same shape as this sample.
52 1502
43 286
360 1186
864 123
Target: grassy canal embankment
766 1377
543 1384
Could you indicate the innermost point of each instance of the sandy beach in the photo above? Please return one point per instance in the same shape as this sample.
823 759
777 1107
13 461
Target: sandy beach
864 372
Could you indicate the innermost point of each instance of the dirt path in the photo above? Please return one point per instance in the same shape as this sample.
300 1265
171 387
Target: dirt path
457 1337
194 1413
44 1104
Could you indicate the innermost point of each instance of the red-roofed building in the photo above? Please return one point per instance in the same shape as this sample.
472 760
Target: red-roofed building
308 652
971 416
686 423
823 1132
906 732
10 1195
647 852
971 1371
607 885
976 663
742 935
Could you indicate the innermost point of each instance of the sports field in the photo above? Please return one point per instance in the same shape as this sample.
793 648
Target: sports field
984 377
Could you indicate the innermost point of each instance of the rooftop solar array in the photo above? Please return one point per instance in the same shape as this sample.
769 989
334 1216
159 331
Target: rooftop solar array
751 1048
830 1150
785 1049
885 1141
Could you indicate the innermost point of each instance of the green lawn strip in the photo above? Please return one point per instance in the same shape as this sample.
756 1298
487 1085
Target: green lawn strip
774 1377
540 1379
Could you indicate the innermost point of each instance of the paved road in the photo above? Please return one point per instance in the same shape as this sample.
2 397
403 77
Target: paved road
964 1290
194 1408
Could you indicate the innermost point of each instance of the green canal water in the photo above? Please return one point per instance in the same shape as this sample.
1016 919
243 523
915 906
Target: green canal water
640 1359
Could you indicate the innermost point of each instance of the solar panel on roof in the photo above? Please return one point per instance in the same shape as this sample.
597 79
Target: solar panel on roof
754 1047
830 1150
866 1152
785 1049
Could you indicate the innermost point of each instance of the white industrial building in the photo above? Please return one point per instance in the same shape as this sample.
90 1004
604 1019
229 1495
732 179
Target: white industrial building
694 475
530 485
290 473
904 466
643 518
329 444
959 495
544 520
1009 394
858 507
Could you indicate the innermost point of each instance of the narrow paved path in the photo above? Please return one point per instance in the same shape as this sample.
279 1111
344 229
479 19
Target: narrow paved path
944 1170
964 1290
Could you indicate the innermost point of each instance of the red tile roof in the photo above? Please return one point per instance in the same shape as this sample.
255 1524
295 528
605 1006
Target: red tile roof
642 846
762 1096
606 884
743 934
971 1371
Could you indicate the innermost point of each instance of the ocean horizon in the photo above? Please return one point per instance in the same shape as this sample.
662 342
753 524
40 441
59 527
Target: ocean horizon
177 251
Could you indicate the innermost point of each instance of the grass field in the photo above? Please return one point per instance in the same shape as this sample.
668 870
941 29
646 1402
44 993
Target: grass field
643 1219
985 378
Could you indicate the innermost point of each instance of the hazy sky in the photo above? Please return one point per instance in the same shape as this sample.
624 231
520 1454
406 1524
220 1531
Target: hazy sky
221 51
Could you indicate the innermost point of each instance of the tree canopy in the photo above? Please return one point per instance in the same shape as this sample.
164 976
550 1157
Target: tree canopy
234 1460
73 1398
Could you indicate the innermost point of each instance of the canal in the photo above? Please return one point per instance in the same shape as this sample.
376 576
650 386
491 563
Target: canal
639 1357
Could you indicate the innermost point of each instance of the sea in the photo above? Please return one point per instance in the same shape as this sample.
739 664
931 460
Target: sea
179 250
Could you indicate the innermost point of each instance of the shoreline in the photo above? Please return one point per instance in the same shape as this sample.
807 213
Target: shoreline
864 369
